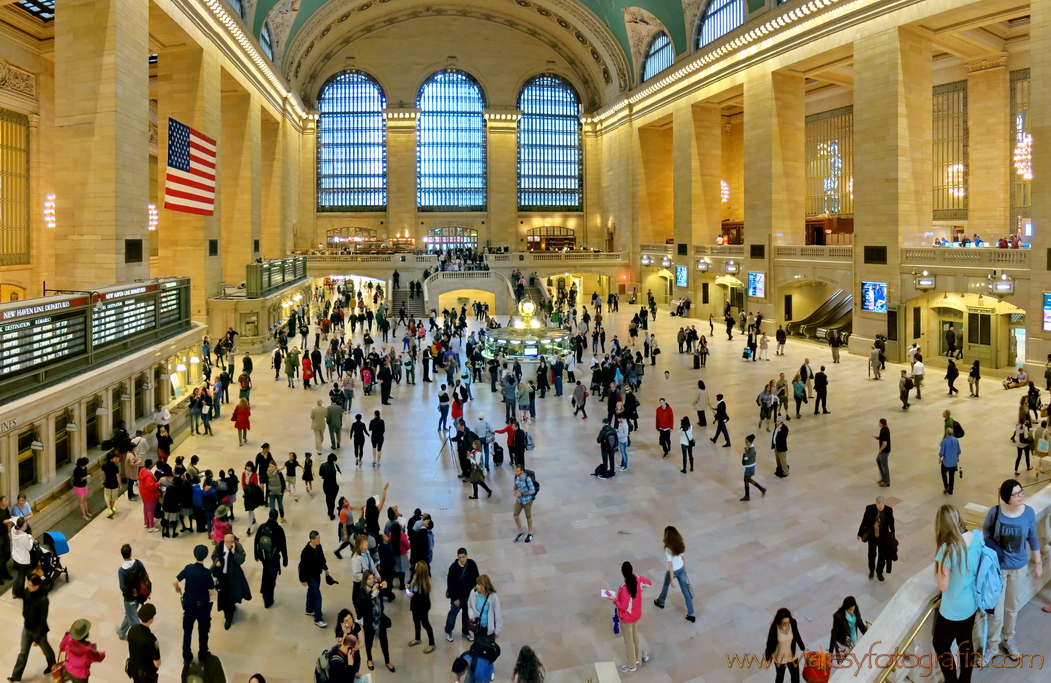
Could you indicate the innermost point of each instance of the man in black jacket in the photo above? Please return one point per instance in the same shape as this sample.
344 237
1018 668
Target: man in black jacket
144 652
272 554
721 418
821 389
34 630
464 439
779 442
608 442
463 575
781 336
311 565
877 529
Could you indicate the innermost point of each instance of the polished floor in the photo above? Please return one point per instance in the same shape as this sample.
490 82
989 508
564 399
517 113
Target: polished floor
795 547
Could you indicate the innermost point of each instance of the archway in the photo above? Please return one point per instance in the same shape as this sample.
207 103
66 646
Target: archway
451 238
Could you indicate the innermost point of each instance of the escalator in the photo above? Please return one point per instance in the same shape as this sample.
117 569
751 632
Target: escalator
844 325
821 313
836 315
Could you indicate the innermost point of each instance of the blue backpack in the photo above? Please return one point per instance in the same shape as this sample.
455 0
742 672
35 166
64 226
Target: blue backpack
988 581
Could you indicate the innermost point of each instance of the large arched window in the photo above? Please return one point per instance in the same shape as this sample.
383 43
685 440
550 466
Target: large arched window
719 18
549 155
659 57
351 144
450 144
266 41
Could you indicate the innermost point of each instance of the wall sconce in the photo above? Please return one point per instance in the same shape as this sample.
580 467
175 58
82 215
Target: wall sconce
194 360
180 368
102 409
731 267
924 281
1001 286
666 262
71 426
37 444
646 260
702 266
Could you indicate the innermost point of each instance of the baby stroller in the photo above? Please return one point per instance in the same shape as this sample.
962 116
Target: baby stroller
47 554
366 381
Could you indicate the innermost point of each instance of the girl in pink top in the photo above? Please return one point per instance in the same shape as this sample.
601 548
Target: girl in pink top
628 602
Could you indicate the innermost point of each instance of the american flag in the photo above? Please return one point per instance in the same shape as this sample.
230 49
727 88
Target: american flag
190 181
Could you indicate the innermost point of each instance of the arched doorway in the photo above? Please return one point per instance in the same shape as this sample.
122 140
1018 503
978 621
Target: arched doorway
10 292
451 238
551 238
355 238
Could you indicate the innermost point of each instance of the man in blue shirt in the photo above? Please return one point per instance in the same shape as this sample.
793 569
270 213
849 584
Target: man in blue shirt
524 492
196 603
1008 528
949 457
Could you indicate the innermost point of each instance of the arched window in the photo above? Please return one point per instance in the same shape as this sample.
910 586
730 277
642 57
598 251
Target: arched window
549 154
450 144
266 41
659 57
444 239
238 7
351 144
720 17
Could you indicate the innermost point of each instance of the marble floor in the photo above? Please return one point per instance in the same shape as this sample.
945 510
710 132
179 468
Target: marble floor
795 547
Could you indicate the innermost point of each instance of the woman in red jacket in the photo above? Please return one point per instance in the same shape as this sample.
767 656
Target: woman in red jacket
308 370
241 422
628 601
148 492
80 652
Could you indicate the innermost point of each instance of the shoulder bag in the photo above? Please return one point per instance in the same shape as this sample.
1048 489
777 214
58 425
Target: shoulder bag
476 624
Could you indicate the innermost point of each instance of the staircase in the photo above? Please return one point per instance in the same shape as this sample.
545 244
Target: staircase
413 307
534 294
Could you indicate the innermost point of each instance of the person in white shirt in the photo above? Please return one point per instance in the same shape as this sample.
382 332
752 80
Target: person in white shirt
161 416
21 545
484 430
913 350
917 374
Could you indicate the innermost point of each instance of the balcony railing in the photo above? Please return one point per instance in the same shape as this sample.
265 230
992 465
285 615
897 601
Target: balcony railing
424 260
656 248
815 253
555 258
718 250
948 256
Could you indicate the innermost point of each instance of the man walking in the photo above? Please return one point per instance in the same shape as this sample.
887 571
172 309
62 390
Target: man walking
917 375
807 375
821 387
904 387
334 421
144 651
129 580
35 606
874 361
883 456
463 574
779 442
580 398
781 336
721 418
318 423
665 422
196 603
524 491
877 529
275 490
608 444
311 565
227 561
949 456
271 550
244 383
835 342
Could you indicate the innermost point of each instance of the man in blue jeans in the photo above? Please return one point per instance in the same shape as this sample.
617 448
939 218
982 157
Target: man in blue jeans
311 565
128 580
275 490
463 574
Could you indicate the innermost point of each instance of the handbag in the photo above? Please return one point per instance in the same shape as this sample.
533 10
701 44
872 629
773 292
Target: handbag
58 669
616 622
476 623
339 476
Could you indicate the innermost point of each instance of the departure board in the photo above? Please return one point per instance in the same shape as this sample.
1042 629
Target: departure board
117 320
37 341
171 306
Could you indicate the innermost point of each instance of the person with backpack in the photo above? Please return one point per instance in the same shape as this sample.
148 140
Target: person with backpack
525 491
905 385
338 665
949 457
608 441
131 578
271 550
956 568
1009 527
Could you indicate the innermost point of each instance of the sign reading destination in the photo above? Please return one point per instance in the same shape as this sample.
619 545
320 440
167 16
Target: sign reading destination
33 342
117 320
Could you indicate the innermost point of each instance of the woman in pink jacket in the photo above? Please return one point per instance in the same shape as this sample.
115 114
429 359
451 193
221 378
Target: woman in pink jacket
148 489
80 653
628 602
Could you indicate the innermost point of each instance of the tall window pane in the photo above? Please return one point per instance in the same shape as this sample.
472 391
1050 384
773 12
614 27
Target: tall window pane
1021 147
659 57
352 144
720 17
830 163
450 144
236 4
14 188
949 134
549 154
266 41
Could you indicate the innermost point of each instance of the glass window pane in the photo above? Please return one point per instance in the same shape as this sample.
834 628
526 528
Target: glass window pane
949 134
720 17
830 163
660 56
1021 147
549 146
266 41
450 144
352 144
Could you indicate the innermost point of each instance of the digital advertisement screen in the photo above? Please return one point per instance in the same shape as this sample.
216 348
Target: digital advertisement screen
874 297
757 285
1047 311
681 277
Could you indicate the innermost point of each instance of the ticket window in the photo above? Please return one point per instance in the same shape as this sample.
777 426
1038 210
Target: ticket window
27 460
140 398
91 423
116 407
63 446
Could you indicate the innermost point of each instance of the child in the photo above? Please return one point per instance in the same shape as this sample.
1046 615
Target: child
308 474
290 475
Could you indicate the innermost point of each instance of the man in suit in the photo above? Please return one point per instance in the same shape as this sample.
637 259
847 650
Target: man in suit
821 387
779 442
721 418
807 375
877 529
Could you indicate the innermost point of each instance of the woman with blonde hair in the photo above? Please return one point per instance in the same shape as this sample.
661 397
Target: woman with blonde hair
420 605
955 569
360 562
674 551
483 610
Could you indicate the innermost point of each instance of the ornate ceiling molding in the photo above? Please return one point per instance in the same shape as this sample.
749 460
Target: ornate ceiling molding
691 10
642 26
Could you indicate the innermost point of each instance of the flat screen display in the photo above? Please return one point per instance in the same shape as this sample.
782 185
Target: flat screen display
681 277
1047 311
874 296
757 285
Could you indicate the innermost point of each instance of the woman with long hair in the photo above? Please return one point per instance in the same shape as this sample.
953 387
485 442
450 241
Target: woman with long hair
847 626
628 601
686 442
955 569
369 605
360 562
483 609
420 605
346 625
80 486
241 422
528 668
674 551
477 476
781 646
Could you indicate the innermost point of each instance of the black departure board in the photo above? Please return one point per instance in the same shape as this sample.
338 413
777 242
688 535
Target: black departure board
35 342
171 306
117 320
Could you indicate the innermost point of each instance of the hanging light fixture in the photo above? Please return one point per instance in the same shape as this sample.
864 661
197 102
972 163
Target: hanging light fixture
666 262
724 191
49 211
152 221
646 260
1023 156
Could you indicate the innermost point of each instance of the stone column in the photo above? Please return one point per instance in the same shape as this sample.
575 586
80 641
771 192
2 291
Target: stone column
401 173
239 149
892 167
292 135
189 90
988 167
593 232
502 160
306 222
774 173
697 159
101 116
272 167
1038 342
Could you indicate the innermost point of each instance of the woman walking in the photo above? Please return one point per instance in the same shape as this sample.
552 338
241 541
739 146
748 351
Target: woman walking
251 493
308 474
308 370
674 549
951 373
628 601
420 605
241 422
748 461
798 392
369 605
483 610
973 378
360 563
477 471
80 652
781 646
847 626
1022 438
80 486
955 569
700 403
686 442
528 668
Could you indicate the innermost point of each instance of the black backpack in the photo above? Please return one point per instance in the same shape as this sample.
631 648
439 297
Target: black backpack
957 429
532 477
909 384
612 440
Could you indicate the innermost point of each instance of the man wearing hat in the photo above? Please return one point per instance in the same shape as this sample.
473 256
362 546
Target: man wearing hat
144 651
34 629
196 602
230 580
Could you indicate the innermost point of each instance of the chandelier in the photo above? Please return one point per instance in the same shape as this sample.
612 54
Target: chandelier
954 179
49 211
1023 156
152 222
724 191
